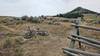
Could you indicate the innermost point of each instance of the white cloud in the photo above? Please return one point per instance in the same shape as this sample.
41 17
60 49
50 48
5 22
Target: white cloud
45 7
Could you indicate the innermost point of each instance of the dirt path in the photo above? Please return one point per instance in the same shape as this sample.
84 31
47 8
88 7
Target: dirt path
51 47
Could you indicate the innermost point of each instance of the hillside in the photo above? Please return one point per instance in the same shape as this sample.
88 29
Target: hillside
77 12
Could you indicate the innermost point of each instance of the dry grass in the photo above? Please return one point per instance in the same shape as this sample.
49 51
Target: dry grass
11 47
37 46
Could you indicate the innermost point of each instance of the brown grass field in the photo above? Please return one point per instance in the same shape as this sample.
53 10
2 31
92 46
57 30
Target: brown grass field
12 42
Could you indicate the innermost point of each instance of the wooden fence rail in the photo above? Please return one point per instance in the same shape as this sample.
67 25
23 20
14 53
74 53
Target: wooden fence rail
76 51
86 27
69 53
87 39
85 42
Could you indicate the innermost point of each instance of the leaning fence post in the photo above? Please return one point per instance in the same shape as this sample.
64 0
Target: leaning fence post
72 43
77 32
77 29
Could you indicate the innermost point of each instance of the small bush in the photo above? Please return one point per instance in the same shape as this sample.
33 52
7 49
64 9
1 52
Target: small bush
10 43
11 47
35 20
50 22
7 43
24 17
18 41
19 51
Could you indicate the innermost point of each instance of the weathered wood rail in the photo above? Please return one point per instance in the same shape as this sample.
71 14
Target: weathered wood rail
87 27
71 51
76 52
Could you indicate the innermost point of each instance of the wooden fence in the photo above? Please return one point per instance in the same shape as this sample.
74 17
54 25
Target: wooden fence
71 51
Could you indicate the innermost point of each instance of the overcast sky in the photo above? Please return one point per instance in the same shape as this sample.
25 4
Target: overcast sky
44 7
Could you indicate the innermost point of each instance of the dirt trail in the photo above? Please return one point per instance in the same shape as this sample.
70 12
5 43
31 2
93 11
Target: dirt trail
52 47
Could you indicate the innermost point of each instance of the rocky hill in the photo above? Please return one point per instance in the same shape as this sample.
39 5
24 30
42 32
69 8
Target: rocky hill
77 12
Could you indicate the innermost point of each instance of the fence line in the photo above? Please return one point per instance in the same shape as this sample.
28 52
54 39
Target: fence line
85 40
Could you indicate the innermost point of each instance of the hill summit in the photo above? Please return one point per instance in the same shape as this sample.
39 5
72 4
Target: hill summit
77 12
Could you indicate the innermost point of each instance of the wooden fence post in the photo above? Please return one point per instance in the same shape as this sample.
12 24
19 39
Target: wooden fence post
77 32
80 39
77 29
